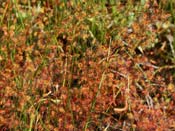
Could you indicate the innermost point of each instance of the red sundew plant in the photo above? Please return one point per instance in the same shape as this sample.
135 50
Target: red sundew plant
86 65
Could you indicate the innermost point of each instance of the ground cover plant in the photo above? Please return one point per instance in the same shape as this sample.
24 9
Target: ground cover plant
89 65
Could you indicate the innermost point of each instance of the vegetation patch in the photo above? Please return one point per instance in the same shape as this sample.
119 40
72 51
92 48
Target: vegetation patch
87 65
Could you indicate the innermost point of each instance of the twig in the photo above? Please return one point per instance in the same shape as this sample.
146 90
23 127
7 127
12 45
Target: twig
163 68
149 101
119 110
